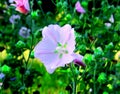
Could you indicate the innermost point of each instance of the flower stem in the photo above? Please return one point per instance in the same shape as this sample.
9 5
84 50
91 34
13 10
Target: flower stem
32 22
74 87
94 79
26 61
74 79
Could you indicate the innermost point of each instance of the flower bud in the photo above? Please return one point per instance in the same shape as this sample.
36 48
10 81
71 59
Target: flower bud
84 4
105 92
109 46
102 78
88 58
98 51
32 54
20 44
40 2
5 69
34 14
68 17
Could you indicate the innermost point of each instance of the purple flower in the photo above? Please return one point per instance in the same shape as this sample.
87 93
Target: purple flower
79 8
24 32
13 19
78 60
2 75
57 46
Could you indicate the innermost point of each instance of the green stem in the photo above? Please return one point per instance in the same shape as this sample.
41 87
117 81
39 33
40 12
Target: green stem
53 2
94 79
42 11
32 21
93 3
26 61
74 87
74 79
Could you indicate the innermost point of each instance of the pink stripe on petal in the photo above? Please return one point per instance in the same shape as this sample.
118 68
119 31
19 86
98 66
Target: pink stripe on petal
45 52
64 33
52 33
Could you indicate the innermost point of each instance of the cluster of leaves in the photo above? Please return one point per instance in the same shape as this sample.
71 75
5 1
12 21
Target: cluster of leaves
97 42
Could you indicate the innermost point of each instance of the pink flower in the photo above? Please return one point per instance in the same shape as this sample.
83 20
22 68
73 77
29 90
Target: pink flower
22 6
57 46
79 8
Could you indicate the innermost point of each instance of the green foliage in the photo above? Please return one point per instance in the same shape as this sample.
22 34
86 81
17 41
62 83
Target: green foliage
102 78
97 39
88 58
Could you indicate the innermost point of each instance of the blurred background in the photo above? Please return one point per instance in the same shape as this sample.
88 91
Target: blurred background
97 39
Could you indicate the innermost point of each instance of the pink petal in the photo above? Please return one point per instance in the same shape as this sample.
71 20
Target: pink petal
60 62
52 32
44 50
22 6
22 9
49 69
26 4
19 2
47 58
65 33
79 8
71 42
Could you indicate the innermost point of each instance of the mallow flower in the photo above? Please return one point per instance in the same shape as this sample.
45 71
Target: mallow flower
56 47
22 6
79 8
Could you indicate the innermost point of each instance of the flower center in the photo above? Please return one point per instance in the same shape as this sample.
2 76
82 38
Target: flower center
61 49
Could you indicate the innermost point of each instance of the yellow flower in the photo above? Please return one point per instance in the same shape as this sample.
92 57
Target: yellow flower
117 56
3 55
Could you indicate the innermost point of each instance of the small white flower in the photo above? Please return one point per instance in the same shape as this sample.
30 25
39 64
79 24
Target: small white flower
111 19
108 25
90 90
